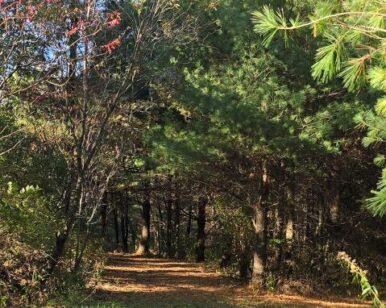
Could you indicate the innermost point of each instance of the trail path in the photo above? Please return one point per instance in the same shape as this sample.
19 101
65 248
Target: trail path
130 281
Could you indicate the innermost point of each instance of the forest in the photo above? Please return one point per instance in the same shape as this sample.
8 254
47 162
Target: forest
192 153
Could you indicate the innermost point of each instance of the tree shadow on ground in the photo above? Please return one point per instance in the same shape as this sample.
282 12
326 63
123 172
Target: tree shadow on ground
129 281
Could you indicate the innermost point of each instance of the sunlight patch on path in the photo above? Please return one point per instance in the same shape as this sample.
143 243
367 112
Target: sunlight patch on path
134 281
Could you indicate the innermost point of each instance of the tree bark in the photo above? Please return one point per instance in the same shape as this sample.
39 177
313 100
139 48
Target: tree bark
177 220
201 220
63 235
133 234
61 239
144 241
104 214
78 259
289 232
169 217
116 226
189 223
244 263
260 221
160 231
124 222
280 217
169 248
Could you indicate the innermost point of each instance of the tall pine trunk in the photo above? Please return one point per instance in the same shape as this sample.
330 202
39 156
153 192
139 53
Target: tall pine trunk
280 217
160 230
177 220
124 223
189 222
144 241
260 222
104 206
289 232
115 217
201 220
170 227
169 233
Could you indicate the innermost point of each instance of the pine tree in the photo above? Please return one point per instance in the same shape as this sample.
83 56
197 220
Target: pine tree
353 48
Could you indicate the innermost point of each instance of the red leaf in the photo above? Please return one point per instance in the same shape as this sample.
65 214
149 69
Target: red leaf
113 23
112 45
72 31
114 19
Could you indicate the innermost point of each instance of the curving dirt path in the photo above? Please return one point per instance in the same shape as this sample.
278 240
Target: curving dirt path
131 281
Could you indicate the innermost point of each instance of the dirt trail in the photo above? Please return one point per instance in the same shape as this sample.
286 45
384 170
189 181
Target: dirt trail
130 281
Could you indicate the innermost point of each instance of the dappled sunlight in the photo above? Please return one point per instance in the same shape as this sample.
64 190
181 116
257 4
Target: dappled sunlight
133 274
127 288
153 282
300 301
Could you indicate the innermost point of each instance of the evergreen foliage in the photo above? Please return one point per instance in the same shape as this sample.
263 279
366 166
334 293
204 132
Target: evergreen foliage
353 40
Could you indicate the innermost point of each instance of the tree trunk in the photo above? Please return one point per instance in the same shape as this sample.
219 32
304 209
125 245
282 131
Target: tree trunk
160 232
201 220
125 247
78 259
104 214
133 234
61 239
244 263
260 221
280 217
177 220
124 223
279 235
144 241
116 226
189 223
169 248
334 200
289 232
63 235
169 218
